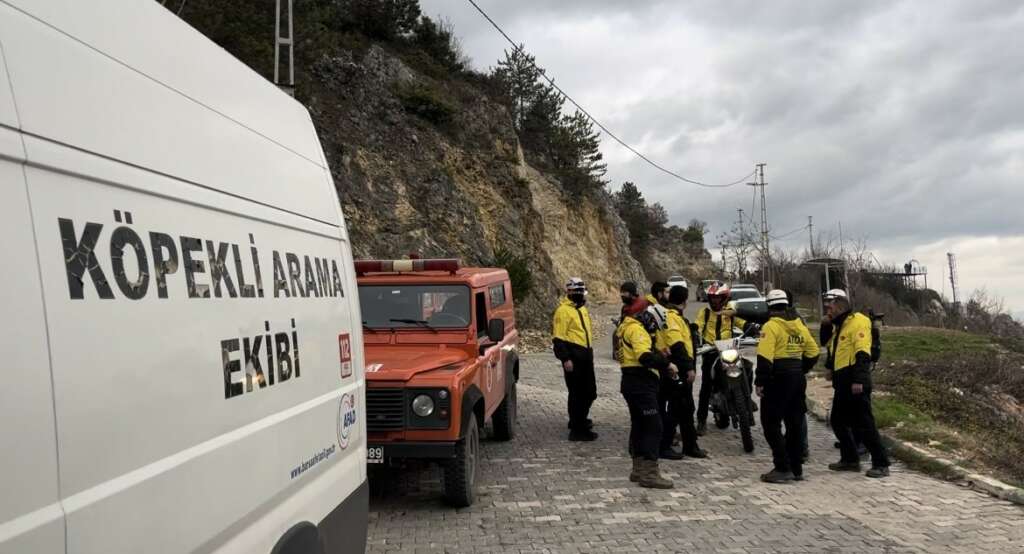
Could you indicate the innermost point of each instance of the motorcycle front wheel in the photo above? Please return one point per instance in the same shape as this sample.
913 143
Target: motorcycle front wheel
743 415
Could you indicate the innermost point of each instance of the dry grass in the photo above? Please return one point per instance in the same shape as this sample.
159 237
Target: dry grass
961 391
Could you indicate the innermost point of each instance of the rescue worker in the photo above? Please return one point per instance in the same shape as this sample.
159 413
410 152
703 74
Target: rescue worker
785 354
714 322
642 367
849 360
629 293
572 332
676 342
659 293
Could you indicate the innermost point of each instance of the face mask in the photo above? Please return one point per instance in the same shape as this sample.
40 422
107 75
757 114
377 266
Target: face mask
578 299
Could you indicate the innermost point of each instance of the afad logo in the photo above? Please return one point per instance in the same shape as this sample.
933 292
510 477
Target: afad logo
346 419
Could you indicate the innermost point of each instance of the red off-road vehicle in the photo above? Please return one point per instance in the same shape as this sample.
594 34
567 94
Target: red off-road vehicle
440 347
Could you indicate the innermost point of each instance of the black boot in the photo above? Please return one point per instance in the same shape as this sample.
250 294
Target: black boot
584 436
670 454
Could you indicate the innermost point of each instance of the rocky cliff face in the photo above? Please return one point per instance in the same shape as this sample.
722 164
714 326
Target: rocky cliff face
677 254
434 167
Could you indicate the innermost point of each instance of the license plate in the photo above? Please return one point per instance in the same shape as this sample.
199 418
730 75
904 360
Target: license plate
375 455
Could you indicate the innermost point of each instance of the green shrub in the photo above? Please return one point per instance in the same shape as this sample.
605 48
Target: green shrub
426 102
518 272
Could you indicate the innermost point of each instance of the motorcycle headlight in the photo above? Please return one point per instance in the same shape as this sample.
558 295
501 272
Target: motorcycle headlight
733 371
423 405
730 356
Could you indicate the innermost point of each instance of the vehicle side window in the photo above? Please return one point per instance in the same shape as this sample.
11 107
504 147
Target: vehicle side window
481 315
497 293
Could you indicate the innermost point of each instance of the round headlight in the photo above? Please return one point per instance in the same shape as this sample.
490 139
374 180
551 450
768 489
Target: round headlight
730 356
442 394
423 405
734 372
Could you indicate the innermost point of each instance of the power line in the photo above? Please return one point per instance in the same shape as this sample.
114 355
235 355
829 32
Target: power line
598 123
794 231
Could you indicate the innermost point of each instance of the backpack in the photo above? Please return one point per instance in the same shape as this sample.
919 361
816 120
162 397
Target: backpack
876 338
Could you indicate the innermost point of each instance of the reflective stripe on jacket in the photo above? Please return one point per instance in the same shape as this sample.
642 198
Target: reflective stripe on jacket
717 325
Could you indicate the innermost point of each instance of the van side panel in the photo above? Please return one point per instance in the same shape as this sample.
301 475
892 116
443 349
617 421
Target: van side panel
175 419
31 519
171 52
126 115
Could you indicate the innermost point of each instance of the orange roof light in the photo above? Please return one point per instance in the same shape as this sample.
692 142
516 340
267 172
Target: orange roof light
363 267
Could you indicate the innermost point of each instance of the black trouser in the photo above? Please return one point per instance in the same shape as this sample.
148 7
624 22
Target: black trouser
707 386
678 408
852 419
640 389
582 387
784 402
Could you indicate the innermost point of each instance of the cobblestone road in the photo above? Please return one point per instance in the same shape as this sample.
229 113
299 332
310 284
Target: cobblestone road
541 493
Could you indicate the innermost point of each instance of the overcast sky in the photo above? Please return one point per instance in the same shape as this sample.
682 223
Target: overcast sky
904 120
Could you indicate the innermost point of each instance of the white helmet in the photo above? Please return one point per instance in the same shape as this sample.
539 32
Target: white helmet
777 297
833 295
575 284
659 315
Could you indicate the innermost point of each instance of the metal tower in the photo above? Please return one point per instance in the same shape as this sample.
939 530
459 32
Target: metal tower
280 42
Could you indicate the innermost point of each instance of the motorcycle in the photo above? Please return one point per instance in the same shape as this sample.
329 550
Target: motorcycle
732 401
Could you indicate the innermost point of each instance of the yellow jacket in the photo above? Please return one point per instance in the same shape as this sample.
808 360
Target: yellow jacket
786 339
572 324
853 337
634 342
708 322
678 331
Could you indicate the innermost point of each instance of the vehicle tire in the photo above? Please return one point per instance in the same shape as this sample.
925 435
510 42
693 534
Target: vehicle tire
505 416
460 473
743 414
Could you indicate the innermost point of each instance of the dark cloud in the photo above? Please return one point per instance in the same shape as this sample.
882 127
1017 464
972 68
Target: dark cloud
903 119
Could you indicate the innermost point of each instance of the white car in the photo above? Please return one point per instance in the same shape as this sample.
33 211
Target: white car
182 369
677 280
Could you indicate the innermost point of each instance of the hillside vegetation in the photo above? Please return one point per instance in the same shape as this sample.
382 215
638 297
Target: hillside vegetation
431 157
959 392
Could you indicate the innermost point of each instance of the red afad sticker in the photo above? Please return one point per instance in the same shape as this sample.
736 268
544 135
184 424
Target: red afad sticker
345 351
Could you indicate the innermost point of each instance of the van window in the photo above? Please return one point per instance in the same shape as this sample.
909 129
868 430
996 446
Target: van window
481 315
497 295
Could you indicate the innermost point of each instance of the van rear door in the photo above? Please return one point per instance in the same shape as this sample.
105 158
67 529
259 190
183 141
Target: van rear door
31 519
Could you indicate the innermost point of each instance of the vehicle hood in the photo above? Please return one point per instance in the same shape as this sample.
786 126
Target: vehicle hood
402 362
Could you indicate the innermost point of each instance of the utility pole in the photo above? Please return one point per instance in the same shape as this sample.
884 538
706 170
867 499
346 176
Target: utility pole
281 41
810 232
766 265
740 245
953 277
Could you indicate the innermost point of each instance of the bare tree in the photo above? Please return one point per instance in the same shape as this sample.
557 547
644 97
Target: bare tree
737 248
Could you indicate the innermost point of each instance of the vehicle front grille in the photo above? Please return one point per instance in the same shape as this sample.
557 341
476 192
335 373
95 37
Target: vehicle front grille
385 409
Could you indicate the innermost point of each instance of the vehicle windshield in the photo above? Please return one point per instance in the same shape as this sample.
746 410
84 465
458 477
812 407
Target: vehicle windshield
676 278
740 294
399 306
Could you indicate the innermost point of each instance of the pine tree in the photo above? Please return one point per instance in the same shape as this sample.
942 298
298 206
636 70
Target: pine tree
519 78
540 124
580 151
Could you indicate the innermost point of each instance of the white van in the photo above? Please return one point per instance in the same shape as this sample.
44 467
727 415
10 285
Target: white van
181 372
